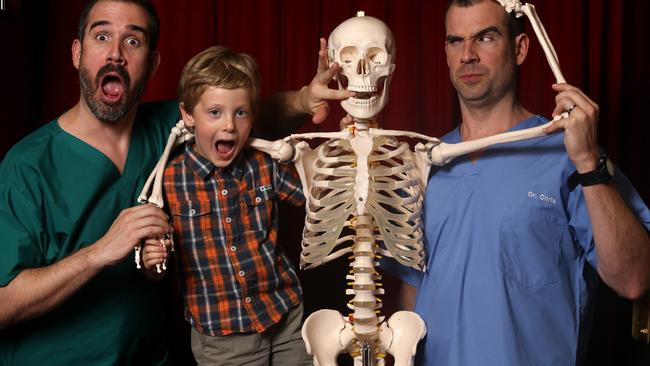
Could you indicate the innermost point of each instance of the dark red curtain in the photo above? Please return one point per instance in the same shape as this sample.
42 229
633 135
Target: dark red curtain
600 44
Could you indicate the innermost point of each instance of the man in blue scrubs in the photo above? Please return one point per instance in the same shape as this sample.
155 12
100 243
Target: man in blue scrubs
515 238
68 294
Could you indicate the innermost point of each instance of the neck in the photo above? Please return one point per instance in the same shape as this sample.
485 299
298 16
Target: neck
487 119
112 139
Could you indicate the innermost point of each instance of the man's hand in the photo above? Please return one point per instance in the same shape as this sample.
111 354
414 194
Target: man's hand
580 129
131 226
314 97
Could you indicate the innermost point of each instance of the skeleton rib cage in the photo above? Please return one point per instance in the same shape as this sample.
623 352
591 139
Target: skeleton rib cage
394 200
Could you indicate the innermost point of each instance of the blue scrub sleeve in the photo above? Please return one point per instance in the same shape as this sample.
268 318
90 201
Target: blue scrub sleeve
405 274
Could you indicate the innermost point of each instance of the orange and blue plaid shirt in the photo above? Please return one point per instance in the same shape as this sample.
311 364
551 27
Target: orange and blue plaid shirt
232 275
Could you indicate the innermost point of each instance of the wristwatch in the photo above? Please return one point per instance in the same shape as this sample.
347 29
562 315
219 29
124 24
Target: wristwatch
604 172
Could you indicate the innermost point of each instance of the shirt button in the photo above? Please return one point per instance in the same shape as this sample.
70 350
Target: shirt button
233 248
248 299
192 212
224 192
241 273
228 220
258 199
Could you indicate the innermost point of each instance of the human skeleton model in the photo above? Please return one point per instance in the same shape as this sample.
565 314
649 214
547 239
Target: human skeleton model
364 192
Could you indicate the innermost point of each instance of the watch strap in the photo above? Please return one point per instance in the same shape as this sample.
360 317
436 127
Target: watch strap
599 175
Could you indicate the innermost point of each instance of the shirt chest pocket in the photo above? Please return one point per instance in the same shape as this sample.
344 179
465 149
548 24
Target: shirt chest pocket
258 206
530 246
191 218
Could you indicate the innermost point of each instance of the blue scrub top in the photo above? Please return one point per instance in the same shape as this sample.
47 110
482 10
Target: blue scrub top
510 256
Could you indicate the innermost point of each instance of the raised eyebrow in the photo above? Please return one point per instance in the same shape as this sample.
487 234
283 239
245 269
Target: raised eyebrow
132 27
138 28
485 31
98 23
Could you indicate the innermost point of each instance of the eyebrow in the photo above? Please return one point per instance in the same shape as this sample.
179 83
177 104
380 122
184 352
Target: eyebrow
479 34
132 27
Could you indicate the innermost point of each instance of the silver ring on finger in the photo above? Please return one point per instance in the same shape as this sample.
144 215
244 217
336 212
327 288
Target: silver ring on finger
571 108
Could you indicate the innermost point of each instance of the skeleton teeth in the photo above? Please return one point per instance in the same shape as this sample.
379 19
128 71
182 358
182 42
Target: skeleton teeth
362 88
370 101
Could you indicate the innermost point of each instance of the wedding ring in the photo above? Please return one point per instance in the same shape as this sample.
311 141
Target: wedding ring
571 109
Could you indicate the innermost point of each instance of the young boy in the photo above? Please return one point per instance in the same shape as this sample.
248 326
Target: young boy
241 293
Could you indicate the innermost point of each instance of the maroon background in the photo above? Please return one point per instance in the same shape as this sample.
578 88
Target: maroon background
601 46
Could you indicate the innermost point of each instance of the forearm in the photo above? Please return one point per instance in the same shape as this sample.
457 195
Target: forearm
622 242
282 114
39 290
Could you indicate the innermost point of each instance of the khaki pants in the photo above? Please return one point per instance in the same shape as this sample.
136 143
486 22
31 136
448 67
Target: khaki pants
280 345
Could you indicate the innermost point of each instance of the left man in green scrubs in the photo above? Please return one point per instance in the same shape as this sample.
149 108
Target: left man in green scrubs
69 291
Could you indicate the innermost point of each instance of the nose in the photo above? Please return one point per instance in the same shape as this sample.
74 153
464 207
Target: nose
469 54
229 123
362 67
115 54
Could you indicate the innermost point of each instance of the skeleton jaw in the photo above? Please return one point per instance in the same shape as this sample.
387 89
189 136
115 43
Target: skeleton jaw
368 107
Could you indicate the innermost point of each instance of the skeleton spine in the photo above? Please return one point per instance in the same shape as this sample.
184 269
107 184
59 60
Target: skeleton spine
365 304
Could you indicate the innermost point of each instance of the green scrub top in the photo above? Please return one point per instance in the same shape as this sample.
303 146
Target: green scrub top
57 195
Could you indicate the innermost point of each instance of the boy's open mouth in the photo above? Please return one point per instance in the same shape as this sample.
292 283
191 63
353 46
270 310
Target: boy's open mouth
225 148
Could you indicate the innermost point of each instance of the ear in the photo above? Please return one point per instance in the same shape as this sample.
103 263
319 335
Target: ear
187 117
155 61
521 48
76 53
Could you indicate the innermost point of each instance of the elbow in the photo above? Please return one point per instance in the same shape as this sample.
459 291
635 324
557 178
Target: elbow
632 285
632 290
5 319
635 293
9 315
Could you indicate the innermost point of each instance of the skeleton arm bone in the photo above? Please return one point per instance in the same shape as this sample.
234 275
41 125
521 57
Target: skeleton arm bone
284 151
179 134
529 9
441 153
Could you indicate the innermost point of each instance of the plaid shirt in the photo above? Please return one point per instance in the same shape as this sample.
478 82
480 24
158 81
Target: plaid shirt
233 276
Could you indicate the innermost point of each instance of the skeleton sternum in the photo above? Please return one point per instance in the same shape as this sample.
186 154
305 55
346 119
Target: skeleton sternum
362 146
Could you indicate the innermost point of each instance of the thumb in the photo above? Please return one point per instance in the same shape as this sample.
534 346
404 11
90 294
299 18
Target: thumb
321 113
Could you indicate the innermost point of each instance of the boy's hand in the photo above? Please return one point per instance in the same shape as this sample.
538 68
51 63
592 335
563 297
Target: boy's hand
314 96
154 252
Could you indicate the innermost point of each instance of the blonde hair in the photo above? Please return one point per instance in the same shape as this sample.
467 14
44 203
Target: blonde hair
219 67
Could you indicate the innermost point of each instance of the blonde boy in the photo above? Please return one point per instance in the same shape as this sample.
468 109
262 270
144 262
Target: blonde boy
241 293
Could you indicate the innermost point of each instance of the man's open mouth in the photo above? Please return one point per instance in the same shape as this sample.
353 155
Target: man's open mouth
112 87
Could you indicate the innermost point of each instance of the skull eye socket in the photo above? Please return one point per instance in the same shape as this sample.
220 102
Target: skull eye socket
348 54
377 55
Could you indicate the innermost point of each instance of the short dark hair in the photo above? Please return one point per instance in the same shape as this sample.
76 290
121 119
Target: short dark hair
514 24
153 26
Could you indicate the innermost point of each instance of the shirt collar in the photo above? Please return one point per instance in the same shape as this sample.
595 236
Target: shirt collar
204 167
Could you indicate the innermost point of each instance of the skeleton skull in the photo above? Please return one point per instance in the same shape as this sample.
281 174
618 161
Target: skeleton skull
364 47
